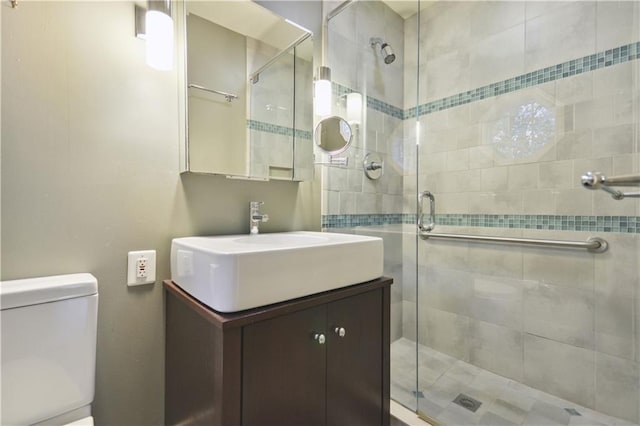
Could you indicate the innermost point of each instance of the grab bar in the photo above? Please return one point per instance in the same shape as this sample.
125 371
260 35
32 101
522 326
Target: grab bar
596 180
228 96
593 244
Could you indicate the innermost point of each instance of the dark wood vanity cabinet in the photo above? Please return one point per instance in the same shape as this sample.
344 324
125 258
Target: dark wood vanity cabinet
317 360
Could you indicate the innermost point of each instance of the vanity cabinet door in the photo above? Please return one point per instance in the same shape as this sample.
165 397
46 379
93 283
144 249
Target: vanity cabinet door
283 370
290 378
355 360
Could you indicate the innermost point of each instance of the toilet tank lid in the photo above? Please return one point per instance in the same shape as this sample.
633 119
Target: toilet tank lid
32 291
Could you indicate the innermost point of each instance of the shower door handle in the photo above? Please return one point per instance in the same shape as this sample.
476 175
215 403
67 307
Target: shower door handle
432 212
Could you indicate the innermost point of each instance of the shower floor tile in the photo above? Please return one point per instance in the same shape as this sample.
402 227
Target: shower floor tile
504 401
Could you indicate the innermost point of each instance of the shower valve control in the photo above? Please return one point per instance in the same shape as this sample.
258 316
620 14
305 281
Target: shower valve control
340 331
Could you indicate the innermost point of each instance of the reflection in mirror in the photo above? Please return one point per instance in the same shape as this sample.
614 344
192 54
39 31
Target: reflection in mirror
234 115
333 135
216 60
276 120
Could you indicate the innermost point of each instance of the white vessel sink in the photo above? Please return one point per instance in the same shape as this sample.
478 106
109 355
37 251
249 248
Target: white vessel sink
238 272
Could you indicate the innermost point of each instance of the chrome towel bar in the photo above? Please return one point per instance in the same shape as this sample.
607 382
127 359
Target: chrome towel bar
596 180
593 244
228 96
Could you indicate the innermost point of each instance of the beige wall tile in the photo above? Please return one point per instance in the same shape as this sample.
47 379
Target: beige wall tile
559 369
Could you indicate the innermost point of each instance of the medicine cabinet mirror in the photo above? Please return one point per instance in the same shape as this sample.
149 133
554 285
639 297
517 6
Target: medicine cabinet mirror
246 85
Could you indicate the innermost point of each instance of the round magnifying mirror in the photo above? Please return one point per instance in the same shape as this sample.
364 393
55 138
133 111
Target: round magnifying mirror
333 135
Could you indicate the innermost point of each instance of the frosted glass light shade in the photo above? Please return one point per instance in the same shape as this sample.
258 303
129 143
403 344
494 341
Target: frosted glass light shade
354 108
159 38
322 97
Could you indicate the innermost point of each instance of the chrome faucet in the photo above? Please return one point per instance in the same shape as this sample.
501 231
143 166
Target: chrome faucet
255 217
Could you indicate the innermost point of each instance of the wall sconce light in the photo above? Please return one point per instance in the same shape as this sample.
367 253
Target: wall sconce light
155 25
322 92
354 108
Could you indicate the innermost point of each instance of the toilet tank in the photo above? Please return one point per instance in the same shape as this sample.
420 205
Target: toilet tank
48 346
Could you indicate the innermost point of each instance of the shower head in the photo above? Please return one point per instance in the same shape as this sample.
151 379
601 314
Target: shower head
385 49
387 53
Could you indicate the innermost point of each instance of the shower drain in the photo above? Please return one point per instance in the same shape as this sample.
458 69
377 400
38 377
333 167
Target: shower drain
467 402
418 394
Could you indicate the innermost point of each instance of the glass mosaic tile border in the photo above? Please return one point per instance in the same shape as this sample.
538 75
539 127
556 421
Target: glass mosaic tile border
619 224
352 220
607 58
622 224
262 126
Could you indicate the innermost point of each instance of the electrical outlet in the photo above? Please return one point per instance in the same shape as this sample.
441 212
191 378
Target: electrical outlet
141 267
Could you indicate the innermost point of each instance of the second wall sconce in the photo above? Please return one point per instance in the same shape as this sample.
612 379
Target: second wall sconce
354 108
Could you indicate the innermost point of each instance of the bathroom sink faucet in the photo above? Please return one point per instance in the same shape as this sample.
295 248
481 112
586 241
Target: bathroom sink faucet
255 217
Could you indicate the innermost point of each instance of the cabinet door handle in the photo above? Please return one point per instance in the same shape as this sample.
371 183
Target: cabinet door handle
340 331
320 338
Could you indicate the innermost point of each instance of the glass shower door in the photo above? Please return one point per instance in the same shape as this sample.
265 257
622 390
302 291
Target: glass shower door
369 55
517 101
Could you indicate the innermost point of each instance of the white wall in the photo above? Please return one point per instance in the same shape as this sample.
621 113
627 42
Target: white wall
90 171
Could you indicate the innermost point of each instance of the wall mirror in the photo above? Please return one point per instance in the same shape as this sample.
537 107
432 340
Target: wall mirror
333 135
246 78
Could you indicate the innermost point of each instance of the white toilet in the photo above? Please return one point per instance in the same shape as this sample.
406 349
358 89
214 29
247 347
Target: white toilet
48 350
